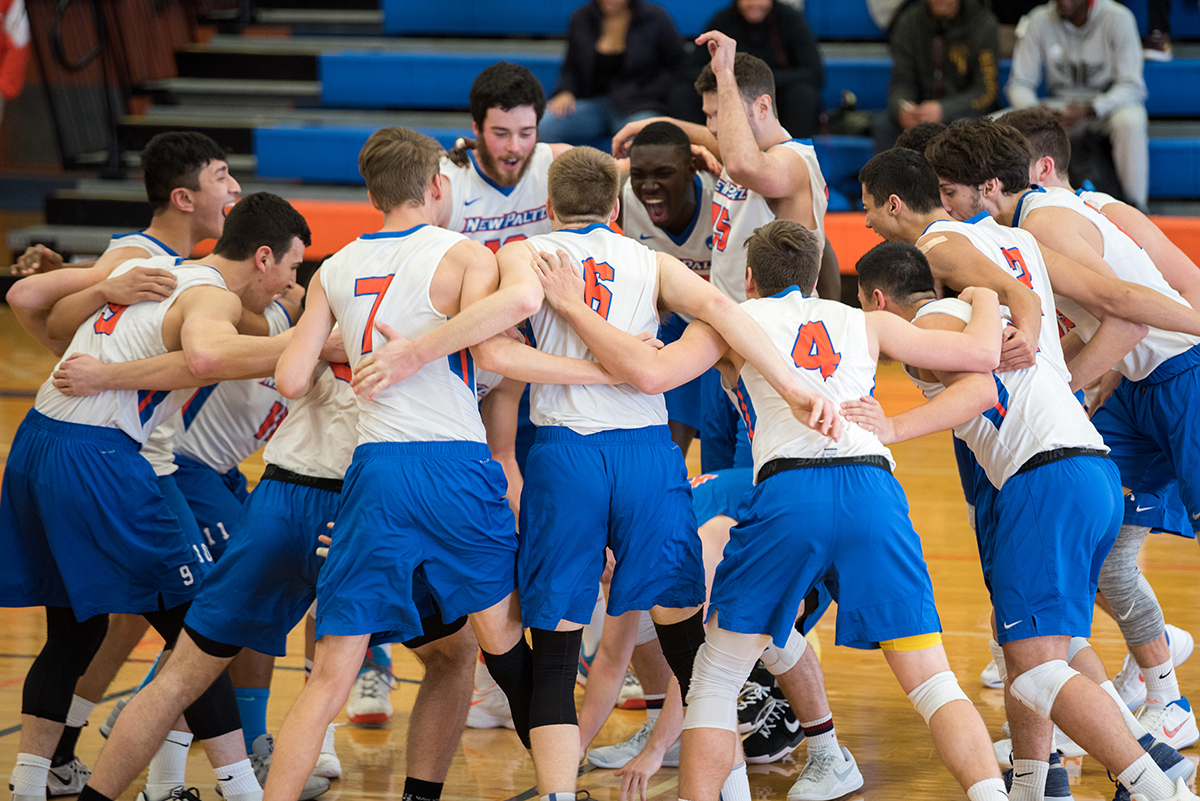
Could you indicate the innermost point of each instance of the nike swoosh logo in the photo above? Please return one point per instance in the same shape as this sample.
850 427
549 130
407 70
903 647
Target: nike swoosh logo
1196 516
1022 775
469 202
792 725
1163 676
1172 732
842 776
1144 508
224 778
1125 616
644 236
1008 626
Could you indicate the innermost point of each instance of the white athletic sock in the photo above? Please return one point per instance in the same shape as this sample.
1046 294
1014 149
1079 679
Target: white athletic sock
168 766
1029 779
737 785
558 797
821 736
29 778
1135 728
654 706
237 782
987 790
1146 778
80 709
595 627
1162 685
483 679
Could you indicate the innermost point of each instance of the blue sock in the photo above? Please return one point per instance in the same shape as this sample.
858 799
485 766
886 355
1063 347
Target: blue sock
380 655
150 673
252 706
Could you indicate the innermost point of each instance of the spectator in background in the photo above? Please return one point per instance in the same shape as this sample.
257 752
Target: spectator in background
779 35
1157 46
14 50
621 55
1092 57
945 66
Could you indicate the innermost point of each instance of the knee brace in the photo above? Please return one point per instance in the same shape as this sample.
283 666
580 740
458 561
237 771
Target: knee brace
680 642
555 660
1127 591
723 663
215 712
935 692
998 658
1037 687
781 660
646 630
70 646
1077 645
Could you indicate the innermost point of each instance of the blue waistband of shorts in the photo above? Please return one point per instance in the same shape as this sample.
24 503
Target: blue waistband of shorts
564 434
453 449
181 458
61 428
1173 366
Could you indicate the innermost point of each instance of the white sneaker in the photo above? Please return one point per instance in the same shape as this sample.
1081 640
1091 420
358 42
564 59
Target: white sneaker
1129 682
107 726
490 710
1181 794
620 754
328 764
261 751
826 777
371 700
1173 724
1061 743
67 779
632 696
1066 746
990 676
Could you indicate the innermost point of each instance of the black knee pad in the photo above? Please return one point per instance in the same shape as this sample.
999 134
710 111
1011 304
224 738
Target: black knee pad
168 623
680 642
555 660
212 647
70 646
513 671
215 712
434 629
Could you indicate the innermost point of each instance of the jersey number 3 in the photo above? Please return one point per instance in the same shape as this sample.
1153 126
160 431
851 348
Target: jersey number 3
814 351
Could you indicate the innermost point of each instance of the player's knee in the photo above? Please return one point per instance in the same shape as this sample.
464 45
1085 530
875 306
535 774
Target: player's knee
555 660
722 664
449 653
1038 687
780 660
1077 644
935 692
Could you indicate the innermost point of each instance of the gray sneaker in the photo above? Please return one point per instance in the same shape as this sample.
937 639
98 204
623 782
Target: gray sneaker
619 755
67 779
107 726
827 776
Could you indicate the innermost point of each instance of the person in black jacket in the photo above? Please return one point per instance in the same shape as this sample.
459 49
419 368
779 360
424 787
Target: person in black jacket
945 66
780 36
620 59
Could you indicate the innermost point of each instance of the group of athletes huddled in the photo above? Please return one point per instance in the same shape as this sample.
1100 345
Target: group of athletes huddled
1064 364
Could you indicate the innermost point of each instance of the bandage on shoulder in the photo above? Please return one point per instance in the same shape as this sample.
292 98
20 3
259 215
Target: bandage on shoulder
932 243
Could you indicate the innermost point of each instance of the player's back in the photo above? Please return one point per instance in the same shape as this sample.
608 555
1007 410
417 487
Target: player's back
318 437
622 287
824 344
385 278
493 214
119 333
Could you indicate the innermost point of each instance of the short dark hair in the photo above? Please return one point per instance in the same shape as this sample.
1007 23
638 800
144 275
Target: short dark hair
506 85
782 254
898 268
174 159
1043 133
904 173
971 152
754 79
920 135
261 219
662 133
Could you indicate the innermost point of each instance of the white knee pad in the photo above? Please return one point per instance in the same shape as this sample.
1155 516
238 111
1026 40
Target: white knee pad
1077 645
722 665
935 692
998 658
646 631
312 610
781 660
1037 687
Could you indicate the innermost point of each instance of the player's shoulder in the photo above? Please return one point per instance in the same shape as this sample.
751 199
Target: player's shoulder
948 306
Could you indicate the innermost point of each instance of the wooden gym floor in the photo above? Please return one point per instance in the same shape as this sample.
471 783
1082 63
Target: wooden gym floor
873 717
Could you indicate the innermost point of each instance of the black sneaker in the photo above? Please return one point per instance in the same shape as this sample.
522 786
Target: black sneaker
778 736
753 704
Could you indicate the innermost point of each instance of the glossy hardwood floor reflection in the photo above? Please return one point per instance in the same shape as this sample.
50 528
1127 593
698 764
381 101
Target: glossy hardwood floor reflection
873 717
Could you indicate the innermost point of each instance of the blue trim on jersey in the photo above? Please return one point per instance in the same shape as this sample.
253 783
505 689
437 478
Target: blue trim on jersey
195 403
585 230
159 242
463 366
283 308
997 413
745 407
1021 202
504 190
392 234
788 291
682 239
980 217
148 400
808 142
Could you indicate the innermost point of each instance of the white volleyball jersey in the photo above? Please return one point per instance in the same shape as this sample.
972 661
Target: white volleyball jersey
385 277
225 423
1016 252
1130 263
824 343
119 333
694 246
321 430
493 214
141 239
622 287
1097 199
1034 412
485 382
737 211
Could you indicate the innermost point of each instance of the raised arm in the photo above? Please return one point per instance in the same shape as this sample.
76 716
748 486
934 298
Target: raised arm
294 371
698 134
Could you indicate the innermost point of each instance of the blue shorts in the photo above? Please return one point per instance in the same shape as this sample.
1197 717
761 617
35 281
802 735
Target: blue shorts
84 524
187 520
417 509
626 489
1153 433
1161 512
1042 540
216 499
720 493
724 441
968 469
683 402
846 525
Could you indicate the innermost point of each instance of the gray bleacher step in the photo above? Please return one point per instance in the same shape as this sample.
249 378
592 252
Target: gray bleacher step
134 190
318 16
233 90
75 239
314 45
261 118
1174 129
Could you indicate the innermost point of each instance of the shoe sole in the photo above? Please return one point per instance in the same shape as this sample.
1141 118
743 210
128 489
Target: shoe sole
632 703
482 720
610 765
370 719
843 790
766 759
